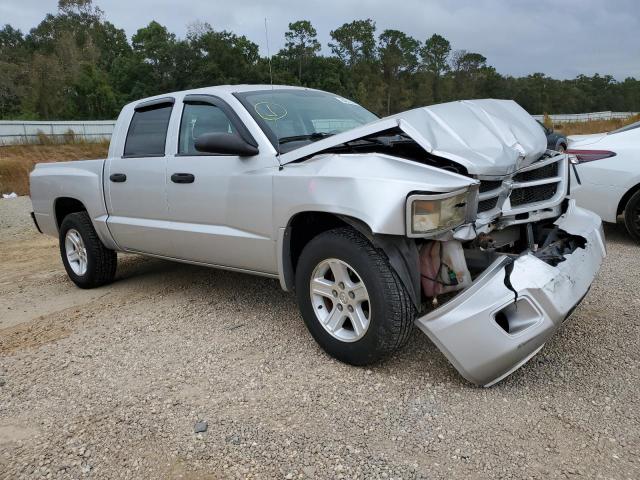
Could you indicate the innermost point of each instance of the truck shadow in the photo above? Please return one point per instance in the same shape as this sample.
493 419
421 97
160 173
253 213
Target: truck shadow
617 232
252 296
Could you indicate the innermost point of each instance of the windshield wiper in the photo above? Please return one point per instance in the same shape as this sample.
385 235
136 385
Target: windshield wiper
310 136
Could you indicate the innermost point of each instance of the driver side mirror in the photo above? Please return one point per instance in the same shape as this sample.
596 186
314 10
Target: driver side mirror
225 144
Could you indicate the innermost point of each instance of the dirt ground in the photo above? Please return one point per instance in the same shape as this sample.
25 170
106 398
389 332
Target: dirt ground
109 383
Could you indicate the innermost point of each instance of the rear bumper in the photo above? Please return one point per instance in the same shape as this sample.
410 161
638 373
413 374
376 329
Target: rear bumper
528 297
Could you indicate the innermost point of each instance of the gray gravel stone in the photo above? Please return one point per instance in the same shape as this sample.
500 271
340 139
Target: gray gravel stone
200 427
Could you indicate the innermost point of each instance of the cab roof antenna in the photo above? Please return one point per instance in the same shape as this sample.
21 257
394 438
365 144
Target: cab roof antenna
266 34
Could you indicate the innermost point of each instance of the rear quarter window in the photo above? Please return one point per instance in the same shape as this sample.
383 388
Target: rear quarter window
148 131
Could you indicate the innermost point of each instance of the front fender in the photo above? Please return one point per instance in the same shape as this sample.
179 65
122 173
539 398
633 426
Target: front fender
372 188
367 191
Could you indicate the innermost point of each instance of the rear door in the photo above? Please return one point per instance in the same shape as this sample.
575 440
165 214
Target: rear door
220 206
135 180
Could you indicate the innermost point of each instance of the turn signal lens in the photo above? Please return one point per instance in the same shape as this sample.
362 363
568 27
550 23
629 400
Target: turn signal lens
585 156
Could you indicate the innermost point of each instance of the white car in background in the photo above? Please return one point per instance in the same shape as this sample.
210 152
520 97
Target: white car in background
609 170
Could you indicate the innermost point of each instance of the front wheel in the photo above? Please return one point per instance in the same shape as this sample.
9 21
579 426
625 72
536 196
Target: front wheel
87 261
351 299
632 216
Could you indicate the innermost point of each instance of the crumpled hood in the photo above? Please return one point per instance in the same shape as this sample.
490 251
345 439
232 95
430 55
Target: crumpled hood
487 137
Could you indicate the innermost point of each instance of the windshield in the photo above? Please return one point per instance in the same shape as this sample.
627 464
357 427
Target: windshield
293 118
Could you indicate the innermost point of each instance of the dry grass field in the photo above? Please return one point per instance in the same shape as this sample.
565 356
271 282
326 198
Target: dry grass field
594 126
17 161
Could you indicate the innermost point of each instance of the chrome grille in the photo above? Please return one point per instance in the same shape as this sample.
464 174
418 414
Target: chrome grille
536 185
547 171
488 185
488 204
539 193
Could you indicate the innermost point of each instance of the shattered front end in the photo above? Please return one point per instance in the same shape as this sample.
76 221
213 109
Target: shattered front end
505 317
532 255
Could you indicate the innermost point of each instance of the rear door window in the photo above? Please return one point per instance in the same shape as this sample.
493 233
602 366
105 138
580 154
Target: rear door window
148 131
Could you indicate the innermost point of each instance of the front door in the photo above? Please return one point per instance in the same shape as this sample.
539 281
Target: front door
220 206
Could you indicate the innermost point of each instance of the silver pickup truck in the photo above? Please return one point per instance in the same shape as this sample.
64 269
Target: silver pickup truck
454 217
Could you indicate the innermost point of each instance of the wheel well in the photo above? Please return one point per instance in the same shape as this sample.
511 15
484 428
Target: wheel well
302 228
64 206
625 198
307 225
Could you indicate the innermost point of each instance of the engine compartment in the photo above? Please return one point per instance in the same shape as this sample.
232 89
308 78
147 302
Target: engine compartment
442 279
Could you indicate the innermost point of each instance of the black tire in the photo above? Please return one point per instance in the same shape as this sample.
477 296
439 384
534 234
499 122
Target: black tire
632 216
100 261
391 311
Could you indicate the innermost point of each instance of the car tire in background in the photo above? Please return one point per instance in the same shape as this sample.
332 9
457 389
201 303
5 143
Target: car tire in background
351 299
87 261
632 216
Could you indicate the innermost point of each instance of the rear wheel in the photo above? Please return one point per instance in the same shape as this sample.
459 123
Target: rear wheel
87 261
632 216
351 299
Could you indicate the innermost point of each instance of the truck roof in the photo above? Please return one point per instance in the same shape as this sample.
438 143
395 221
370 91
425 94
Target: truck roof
221 89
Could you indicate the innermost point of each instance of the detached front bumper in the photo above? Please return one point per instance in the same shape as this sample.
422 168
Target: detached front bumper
505 317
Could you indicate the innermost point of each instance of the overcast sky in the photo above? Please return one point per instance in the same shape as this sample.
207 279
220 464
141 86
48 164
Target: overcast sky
561 38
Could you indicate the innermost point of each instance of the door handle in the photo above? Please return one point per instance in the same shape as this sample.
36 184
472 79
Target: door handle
182 178
118 177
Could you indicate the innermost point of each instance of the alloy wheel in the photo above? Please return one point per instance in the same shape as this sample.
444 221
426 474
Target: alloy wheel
340 300
76 252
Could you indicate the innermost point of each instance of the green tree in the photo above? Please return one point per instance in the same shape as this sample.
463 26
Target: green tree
156 46
354 45
92 96
13 71
467 68
75 64
301 43
111 42
77 18
221 57
354 42
398 54
435 55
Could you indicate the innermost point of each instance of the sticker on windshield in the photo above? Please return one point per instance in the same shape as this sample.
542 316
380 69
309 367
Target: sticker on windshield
270 111
345 100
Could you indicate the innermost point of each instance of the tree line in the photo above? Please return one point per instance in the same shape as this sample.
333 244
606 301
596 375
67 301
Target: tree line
77 65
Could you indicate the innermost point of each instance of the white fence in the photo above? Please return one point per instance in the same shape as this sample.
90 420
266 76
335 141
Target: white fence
14 131
585 117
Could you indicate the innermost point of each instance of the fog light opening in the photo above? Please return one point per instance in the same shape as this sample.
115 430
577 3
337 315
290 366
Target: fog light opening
517 317
502 321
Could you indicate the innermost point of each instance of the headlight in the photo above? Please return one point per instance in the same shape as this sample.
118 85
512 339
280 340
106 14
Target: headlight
431 214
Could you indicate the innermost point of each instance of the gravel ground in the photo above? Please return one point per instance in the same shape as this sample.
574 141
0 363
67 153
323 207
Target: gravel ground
110 383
